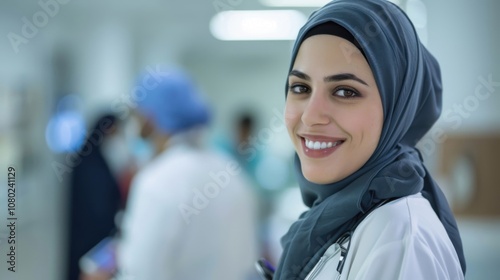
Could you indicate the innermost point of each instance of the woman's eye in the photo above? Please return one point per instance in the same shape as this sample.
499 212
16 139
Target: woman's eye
346 93
298 89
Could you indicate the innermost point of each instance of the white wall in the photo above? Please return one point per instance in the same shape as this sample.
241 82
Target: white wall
464 37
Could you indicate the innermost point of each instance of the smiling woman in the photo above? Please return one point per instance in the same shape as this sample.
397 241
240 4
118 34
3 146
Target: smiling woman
333 120
361 92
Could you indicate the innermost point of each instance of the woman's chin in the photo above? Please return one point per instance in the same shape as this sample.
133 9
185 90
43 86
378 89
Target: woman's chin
320 177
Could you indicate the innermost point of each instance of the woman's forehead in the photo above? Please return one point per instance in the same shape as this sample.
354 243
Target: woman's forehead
328 54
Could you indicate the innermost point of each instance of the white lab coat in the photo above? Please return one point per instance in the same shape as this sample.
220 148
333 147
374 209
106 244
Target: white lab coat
403 239
186 219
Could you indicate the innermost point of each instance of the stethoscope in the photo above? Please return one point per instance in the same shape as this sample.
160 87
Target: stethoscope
266 269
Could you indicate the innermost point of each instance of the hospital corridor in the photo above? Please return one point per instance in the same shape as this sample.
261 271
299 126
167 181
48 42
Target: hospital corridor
151 136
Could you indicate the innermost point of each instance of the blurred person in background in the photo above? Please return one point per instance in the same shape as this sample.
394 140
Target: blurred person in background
95 195
191 213
244 129
241 146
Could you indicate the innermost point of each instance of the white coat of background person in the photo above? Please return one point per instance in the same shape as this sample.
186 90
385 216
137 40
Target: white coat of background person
190 213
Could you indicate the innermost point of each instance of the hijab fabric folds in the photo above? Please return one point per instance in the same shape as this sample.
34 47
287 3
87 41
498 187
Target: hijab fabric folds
409 82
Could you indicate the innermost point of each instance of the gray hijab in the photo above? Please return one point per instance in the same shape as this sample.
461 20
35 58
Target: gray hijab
409 82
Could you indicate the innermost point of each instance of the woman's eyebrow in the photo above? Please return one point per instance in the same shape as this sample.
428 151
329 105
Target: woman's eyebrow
344 76
300 75
331 78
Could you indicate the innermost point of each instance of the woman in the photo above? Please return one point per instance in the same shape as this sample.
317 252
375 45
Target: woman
362 91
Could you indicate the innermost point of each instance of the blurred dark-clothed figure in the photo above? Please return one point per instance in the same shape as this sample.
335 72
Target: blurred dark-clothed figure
94 195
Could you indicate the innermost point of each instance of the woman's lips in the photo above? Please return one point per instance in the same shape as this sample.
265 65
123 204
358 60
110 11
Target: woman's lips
320 146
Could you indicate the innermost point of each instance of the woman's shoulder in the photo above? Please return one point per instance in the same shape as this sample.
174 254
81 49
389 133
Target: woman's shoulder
409 216
403 237
400 225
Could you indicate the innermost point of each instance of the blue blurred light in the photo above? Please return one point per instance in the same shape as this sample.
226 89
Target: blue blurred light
65 132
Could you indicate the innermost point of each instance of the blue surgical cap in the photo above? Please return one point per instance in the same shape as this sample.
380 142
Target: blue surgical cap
170 100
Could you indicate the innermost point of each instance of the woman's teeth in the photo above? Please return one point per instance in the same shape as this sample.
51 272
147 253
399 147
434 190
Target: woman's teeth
316 145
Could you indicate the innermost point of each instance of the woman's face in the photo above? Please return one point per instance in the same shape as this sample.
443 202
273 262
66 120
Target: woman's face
333 113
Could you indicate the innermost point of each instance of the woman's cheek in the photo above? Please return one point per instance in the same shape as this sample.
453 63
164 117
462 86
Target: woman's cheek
292 116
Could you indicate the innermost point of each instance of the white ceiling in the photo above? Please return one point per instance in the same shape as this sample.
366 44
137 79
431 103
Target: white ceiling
183 25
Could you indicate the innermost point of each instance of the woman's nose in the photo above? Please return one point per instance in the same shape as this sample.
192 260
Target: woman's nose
317 110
